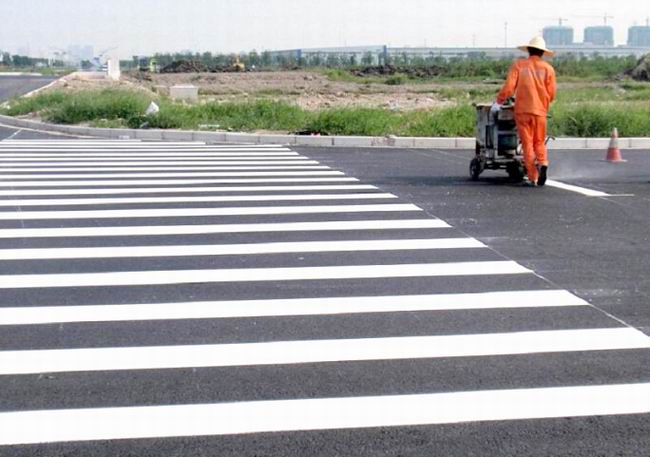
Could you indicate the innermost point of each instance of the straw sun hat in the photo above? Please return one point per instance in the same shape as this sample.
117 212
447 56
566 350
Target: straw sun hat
538 43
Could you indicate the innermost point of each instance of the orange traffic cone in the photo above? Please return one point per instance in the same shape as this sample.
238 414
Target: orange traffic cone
614 153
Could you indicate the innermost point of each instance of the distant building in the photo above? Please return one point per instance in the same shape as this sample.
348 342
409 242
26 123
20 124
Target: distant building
599 36
78 53
638 36
558 35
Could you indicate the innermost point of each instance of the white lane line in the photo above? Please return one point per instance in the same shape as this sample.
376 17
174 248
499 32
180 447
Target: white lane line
317 351
188 199
178 190
577 189
148 230
4 157
287 307
132 252
45 166
72 150
194 212
5 178
143 182
160 421
158 277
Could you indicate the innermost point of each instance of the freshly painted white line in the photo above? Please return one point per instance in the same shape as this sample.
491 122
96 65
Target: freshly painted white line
193 212
307 165
132 252
4 178
157 277
577 189
187 199
160 421
49 166
148 230
287 307
317 351
179 190
143 182
68 150
154 156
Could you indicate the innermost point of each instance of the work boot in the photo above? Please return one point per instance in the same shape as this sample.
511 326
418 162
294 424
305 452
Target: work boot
542 175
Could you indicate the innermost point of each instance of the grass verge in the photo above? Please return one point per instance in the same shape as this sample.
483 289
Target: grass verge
121 108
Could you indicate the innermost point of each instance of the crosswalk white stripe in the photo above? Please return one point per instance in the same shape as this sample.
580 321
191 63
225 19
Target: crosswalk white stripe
48 166
65 150
113 252
181 155
143 182
193 212
150 230
4 178
307 165
158 277
179 190
190 199
49 426
318 351
288 307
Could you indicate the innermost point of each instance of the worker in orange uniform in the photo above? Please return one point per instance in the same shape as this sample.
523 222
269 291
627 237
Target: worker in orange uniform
532 82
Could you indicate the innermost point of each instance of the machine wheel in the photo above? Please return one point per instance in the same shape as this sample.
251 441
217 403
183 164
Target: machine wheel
475 169
515 172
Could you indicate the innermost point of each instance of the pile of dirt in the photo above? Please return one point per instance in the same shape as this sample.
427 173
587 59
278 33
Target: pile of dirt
185 66
642 70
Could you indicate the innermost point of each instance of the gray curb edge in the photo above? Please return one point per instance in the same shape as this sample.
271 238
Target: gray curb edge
299 140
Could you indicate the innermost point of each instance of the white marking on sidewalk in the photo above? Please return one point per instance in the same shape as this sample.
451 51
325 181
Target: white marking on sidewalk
317 351
189 199
144 182
288 307
200 250
148 230
577 189
4 178
157 277
178 190
206 212
49 426
49 166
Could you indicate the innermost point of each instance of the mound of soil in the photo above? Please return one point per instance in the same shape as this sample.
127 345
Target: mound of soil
185 66
642 70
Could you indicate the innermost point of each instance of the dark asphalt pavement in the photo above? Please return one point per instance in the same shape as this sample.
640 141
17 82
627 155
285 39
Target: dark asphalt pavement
13 86
596 248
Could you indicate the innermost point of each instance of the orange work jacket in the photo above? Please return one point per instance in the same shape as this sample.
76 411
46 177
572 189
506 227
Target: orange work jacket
532 82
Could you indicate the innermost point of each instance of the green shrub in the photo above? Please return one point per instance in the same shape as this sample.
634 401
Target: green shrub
357 121
396 80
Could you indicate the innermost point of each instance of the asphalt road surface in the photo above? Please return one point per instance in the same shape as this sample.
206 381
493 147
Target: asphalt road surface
161 299
12 86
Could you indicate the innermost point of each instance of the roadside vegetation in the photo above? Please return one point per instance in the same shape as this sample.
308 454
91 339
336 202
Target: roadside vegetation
593 99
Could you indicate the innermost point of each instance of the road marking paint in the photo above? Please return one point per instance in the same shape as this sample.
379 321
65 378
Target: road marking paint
132 252
4 178
160 421
157 277
577 189
205 212
179 190
288 307
49 166
63 151
189 199
148 230
142 182
176 169
138 156
317 351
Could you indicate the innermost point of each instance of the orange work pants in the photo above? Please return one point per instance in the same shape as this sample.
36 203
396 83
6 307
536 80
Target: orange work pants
532 132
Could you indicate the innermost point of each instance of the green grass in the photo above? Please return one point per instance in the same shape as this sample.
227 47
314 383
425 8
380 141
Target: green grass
591 112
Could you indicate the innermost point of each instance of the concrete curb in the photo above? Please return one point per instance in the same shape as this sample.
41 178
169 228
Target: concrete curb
299 140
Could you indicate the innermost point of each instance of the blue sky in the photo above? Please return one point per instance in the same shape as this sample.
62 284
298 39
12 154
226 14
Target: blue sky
145 26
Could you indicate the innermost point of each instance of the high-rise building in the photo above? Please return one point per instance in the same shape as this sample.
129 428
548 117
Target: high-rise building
602 35
558 35
639 36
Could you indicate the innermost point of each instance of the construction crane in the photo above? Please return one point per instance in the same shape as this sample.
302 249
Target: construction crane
98 61
560 20
605 17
